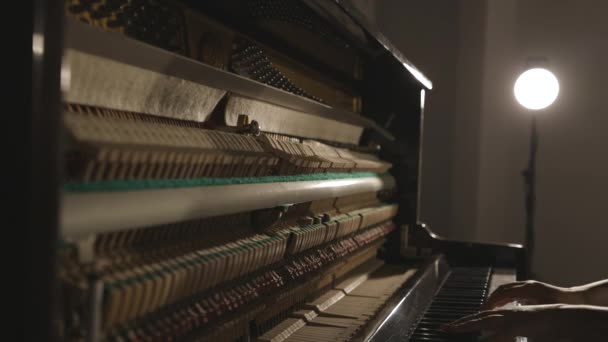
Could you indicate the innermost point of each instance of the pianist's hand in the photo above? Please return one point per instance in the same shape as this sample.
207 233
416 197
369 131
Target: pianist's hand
541 323
531 292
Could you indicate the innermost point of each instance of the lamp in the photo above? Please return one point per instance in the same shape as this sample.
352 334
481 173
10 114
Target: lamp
535 89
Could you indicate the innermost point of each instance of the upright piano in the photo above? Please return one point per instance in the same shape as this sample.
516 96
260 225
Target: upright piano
246 170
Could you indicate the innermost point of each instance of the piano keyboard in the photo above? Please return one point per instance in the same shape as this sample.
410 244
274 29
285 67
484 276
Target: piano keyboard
462 294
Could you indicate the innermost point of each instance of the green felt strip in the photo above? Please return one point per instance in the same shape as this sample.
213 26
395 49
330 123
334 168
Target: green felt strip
146 184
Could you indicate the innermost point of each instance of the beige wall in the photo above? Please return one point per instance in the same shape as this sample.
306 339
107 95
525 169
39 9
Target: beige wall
476 137
445 39
572 228
416 33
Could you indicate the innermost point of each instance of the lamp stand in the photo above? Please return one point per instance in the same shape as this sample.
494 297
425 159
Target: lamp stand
529 175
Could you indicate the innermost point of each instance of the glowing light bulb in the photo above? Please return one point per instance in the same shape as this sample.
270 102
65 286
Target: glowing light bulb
536 88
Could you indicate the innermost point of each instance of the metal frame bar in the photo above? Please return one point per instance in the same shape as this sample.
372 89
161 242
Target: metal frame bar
84 214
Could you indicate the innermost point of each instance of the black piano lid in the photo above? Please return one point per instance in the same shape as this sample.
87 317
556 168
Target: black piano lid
373 31
469 253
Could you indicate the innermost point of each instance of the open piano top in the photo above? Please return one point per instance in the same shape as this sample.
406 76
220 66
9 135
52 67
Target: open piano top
249 170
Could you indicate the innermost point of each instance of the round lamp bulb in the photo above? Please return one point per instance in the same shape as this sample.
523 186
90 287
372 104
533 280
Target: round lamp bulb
536 88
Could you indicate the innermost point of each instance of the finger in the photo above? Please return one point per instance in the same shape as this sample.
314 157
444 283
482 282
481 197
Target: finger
502 292
510 285
479 315
486 323
496 302
509 294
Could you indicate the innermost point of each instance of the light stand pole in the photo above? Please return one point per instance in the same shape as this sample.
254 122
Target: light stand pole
535 89
529 175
